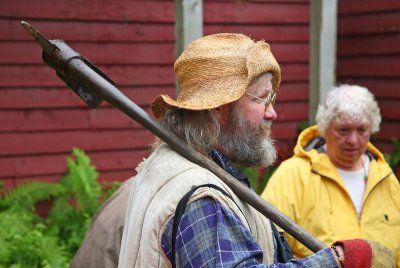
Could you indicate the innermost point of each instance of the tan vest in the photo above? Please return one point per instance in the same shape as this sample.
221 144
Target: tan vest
101 245
162 180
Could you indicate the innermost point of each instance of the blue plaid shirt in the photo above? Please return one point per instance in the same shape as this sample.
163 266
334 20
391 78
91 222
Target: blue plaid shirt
211 235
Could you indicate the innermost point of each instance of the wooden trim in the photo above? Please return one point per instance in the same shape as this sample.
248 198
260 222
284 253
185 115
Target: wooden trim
322 52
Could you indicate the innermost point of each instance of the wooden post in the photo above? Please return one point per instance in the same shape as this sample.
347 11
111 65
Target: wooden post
188 24
322 52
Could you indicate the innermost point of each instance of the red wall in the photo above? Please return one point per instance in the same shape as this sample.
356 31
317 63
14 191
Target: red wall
133 43
369 55
41 120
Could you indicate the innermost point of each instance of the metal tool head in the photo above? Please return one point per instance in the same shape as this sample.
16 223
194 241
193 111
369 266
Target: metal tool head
46 45
57 54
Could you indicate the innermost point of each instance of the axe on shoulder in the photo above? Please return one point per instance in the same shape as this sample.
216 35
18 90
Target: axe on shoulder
93 86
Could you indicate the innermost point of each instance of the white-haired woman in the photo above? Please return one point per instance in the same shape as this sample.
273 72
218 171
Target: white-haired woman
338 185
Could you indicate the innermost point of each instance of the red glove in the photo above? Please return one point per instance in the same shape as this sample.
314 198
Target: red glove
359 253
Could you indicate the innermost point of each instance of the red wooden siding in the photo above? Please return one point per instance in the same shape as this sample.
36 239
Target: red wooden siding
133 43
41 120
369 55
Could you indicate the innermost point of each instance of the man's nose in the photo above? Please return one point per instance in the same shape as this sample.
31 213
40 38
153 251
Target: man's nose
270 113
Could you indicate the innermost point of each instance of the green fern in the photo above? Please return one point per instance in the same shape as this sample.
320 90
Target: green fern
81 182
393 159
27 194
78 203
258 177
28 240
24 242
1 189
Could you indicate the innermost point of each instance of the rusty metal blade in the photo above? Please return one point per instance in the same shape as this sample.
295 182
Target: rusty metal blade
56 54
46 45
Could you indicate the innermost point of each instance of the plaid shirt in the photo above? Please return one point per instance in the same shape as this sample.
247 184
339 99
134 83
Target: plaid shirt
211 235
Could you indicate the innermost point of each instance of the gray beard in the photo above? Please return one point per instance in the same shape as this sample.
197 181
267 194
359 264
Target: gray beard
246 145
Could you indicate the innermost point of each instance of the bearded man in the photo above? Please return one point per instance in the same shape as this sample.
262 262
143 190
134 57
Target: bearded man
180 214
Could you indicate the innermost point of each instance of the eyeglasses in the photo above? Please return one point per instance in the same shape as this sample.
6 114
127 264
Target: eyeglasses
269 100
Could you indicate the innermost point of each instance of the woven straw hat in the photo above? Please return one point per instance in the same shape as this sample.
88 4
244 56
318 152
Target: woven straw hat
216 70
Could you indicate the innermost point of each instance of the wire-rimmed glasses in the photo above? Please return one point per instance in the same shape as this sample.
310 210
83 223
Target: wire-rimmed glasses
269 100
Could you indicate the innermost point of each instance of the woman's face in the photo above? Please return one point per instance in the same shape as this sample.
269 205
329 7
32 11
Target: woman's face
346 142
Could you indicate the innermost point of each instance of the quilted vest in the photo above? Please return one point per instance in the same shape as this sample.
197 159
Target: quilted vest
162 180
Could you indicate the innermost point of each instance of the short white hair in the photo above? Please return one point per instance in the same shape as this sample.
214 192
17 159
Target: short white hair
349 102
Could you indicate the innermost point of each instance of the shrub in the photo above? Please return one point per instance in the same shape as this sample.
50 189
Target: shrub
258 177
29 240
393 158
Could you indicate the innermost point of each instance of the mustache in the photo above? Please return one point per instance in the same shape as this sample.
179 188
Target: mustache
265 128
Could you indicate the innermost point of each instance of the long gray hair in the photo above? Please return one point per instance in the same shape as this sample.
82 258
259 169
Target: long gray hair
199 129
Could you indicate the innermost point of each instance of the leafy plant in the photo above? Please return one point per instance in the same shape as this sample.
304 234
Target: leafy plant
258 177
29 240
26 195
303 125
393 159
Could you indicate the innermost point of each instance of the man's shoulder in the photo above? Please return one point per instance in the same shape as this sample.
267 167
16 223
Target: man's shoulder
166 159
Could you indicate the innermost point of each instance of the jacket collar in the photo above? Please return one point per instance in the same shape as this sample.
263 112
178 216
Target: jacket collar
226 164
310 146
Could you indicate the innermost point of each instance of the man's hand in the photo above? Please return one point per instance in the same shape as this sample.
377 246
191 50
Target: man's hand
359 253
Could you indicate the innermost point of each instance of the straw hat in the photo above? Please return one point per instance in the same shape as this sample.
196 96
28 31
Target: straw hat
216 70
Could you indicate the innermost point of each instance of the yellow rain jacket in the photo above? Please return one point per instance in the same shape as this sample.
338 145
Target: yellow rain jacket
309 189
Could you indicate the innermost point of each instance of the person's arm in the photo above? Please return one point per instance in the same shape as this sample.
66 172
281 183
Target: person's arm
211 235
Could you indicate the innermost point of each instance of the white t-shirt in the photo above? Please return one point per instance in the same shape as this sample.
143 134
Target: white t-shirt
355 182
